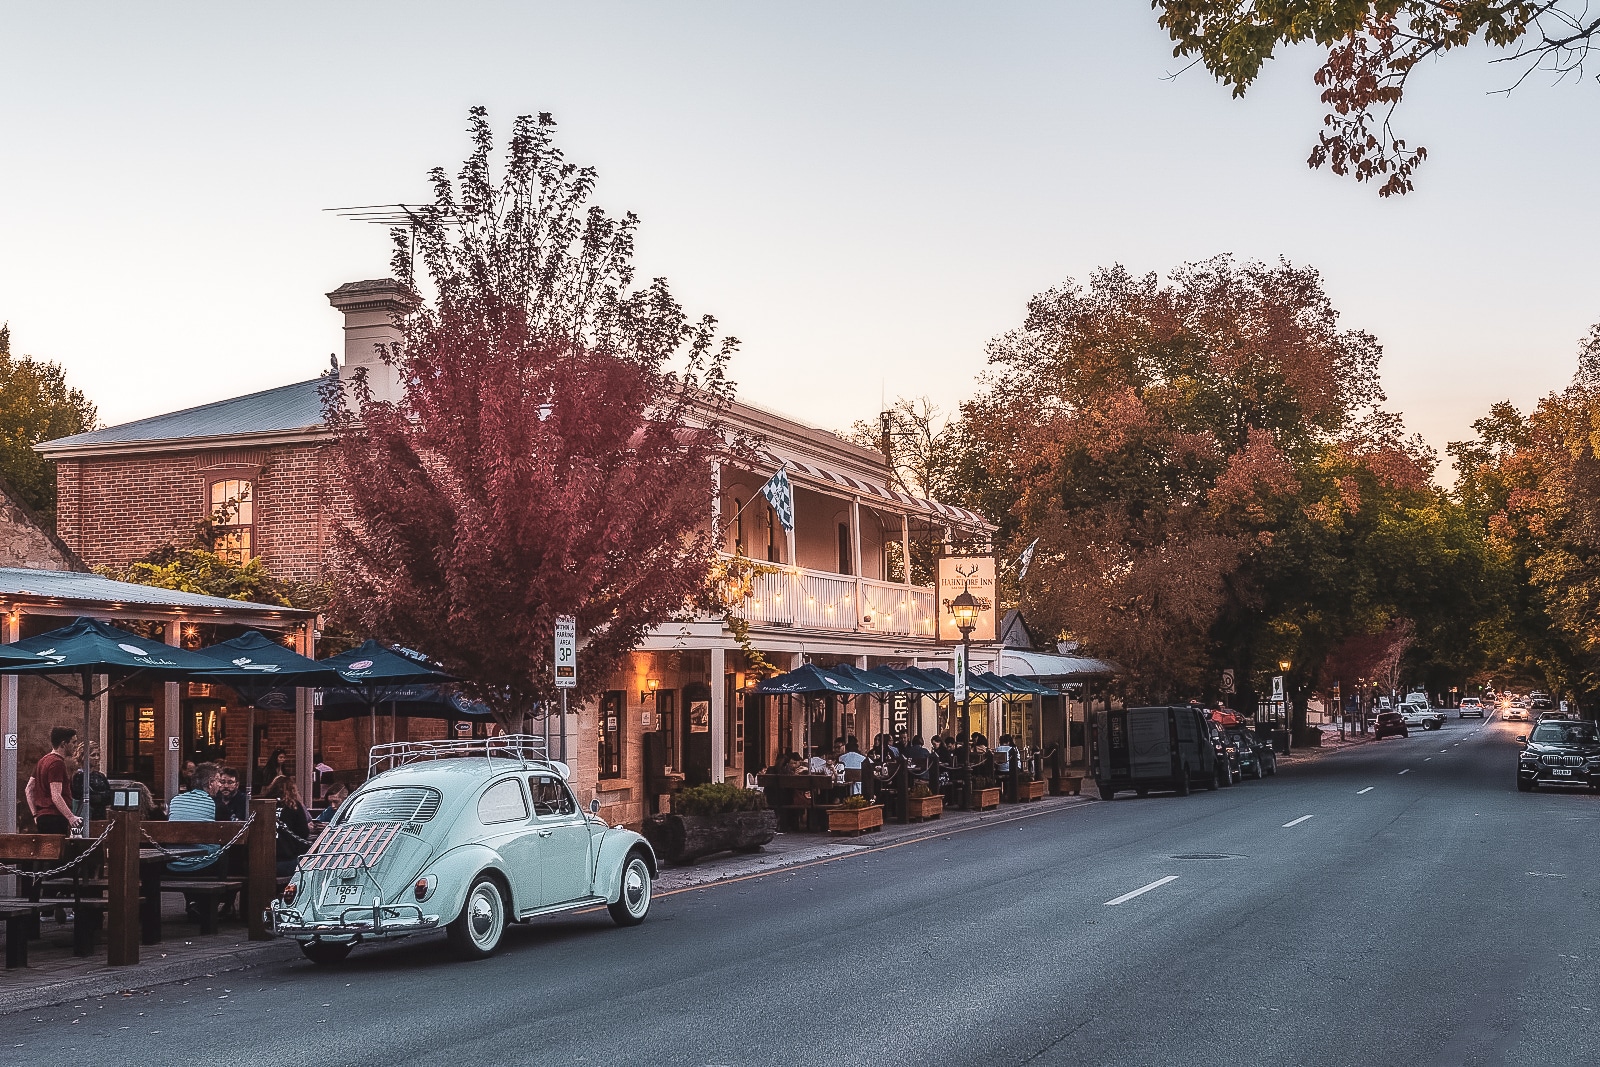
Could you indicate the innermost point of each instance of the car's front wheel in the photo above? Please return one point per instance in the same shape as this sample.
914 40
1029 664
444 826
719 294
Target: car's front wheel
633 903
476 932
1524 785
325 952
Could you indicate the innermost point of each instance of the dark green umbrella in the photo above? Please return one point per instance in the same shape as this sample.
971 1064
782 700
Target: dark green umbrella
87 647
263 672
376 673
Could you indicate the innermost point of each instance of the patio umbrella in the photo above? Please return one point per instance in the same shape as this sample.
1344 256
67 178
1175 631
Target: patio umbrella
907 680
87 647
420 702
813 679
877 685
263 672
373 673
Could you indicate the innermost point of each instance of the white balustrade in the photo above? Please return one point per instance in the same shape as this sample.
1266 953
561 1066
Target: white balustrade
818 600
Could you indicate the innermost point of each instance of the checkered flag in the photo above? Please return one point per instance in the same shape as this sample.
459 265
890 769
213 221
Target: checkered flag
780 494
1025 559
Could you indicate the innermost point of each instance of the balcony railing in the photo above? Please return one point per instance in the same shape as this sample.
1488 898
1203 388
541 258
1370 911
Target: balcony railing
818 600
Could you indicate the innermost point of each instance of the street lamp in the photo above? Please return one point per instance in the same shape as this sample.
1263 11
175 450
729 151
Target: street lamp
965 609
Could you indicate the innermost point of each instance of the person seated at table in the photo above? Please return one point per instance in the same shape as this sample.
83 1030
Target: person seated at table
821 763
851 759
1003 754
198 804
231 806
294 824
918 758
340 793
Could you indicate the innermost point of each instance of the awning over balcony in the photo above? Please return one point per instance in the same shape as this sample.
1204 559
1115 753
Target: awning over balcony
1049 665
851 483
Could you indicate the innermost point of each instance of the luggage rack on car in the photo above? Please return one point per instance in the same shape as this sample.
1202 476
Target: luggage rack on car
523 748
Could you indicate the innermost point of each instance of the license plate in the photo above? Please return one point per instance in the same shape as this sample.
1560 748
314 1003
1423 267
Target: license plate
342 894
1563 771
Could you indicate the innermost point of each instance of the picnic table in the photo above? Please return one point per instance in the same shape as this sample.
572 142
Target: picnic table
799 798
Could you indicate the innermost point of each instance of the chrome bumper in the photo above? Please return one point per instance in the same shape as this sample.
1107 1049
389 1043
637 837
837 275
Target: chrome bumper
355 924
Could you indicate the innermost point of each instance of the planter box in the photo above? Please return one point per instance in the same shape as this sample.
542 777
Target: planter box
1066 785
855 820
686 838
920 808
1027 791
984 799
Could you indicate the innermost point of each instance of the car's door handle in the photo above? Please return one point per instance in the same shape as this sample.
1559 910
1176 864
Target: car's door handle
542 832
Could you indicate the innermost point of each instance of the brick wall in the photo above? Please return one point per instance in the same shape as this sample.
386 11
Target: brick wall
114 510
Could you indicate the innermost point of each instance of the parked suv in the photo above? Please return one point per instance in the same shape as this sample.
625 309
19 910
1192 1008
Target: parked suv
1470 706
1390 724
1230 768
1256 757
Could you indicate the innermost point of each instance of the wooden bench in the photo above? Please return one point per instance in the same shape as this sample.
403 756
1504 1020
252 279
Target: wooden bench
42 852
22 925
259 848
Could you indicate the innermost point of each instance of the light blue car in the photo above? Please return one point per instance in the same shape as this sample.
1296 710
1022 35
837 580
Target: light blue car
464 835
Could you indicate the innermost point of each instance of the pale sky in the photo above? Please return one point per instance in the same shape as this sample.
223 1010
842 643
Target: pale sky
864 193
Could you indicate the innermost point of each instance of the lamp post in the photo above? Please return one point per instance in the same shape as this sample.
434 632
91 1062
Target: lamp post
965 609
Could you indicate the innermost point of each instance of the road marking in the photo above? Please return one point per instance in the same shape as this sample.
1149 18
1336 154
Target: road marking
1368 789
1141 891
1425 759
1406 771
1298 821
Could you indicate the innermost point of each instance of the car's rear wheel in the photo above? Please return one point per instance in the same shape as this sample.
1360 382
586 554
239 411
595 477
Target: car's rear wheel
1106 792
633 903
325 952
476 932
1260 771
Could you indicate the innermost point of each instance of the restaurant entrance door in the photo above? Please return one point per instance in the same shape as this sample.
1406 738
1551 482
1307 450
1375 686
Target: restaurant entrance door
696 720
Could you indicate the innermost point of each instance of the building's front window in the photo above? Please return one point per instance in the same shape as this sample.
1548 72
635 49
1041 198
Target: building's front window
613 732
233 511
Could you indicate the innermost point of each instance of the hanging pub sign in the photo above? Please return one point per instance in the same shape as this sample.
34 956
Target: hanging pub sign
971 574
900 713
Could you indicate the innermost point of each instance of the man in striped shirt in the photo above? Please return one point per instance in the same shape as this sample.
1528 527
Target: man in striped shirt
198 804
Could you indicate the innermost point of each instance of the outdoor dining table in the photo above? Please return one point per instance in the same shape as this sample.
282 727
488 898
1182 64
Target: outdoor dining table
152 865
787 789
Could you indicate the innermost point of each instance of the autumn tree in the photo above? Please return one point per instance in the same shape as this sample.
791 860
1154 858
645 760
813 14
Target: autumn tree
36 404
552 451
1371 50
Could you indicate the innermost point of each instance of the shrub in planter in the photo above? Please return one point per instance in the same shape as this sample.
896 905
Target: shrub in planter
715 817
856 801
919 790
718 798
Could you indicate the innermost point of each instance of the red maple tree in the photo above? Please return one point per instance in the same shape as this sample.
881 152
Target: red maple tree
552 453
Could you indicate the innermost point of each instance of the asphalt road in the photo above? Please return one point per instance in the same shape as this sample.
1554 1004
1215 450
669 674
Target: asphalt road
1396 904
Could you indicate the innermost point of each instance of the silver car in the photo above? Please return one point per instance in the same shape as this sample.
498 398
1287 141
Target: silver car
464 835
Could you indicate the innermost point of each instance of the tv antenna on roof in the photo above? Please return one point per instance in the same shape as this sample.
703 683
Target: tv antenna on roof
394 216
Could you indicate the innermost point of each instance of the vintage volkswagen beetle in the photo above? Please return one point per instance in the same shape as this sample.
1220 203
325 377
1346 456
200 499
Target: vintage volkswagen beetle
467 835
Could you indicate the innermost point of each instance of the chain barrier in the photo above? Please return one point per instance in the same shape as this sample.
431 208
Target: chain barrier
157 845
6 868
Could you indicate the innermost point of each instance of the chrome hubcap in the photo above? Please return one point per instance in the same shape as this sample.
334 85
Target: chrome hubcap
636 886
483 916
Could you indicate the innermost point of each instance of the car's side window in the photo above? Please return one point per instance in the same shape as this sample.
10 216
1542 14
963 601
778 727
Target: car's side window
502 802
550 796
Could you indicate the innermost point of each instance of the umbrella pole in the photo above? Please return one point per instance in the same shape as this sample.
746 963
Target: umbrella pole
88 688
250 759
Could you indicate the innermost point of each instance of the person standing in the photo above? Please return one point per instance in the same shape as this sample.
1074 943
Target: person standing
47 793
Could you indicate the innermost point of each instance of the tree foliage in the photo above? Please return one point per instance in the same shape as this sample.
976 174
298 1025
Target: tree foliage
36 404
1372 49
552 452
1210 473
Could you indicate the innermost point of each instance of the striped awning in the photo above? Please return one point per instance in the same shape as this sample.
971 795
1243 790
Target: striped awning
833 479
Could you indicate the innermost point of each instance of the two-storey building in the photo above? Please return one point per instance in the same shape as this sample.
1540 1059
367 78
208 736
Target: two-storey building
837 588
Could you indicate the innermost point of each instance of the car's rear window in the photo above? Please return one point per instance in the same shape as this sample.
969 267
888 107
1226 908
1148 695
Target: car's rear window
404 803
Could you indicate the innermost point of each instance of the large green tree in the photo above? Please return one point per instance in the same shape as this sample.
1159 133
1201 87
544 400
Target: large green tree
1372 48
36 404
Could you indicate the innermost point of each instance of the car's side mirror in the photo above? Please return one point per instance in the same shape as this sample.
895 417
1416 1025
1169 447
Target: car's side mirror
594 806
1523 740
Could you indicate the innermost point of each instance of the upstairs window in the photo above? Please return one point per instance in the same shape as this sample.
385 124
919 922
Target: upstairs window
233 511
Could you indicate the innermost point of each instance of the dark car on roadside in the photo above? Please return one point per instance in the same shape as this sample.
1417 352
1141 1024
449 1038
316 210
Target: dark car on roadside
1559 752
1256 757
1229 769
1390 724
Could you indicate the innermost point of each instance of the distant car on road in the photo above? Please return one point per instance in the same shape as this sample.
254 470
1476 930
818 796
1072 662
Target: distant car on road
1390 724
1515 713
1560 752
1470 706
1421 715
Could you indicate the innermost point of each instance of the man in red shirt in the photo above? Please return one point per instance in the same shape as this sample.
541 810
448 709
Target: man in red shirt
47 789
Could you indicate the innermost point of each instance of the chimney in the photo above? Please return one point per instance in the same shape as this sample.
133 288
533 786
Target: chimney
370 311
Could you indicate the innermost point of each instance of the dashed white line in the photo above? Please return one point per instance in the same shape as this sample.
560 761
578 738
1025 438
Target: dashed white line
1298 821
1425 759
1368 789
1406 771
1141 891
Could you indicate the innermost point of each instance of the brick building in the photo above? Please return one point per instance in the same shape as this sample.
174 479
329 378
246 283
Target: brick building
841 589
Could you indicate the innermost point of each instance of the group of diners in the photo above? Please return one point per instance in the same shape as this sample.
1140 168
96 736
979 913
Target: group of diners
949 767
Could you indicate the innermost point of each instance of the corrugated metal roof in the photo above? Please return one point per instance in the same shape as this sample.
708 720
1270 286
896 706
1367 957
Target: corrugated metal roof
877 489
288 407
75 586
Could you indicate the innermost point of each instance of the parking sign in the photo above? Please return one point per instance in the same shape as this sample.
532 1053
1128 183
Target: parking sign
566 652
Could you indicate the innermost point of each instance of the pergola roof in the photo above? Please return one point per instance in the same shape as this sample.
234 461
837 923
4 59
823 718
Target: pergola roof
91 594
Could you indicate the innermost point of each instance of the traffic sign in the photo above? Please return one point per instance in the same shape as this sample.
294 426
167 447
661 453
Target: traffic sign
960 672
1277 689
566 652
